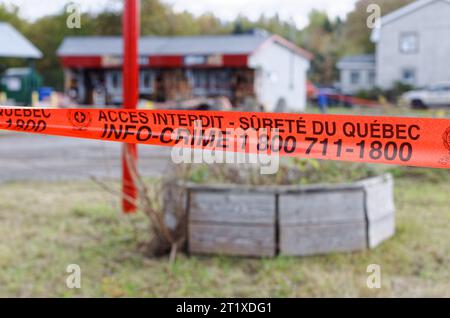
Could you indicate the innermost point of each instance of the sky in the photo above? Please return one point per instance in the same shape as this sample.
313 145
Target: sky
225 9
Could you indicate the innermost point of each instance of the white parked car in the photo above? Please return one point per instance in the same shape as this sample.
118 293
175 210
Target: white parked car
435 95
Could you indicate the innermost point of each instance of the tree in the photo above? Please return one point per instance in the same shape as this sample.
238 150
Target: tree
319 37
355 34
238 28
48 32
10 14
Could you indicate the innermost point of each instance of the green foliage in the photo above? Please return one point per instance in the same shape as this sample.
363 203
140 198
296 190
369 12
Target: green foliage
400 87
396 91
391 95
372 94
293 171
320 37
10 14
421 174
238 28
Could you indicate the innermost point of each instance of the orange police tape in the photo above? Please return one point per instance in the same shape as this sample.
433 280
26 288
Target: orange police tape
394 140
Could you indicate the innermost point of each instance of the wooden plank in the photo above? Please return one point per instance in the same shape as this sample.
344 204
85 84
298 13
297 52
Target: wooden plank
299 240
380 198
322 207
231 207
380 209
381 229
246 240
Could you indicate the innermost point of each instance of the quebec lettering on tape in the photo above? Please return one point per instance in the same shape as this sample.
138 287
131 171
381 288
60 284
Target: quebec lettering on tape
377 139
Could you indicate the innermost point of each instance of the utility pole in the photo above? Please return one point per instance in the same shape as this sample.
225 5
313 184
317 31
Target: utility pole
130 84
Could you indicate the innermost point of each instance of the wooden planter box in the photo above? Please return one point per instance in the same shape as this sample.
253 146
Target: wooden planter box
289 220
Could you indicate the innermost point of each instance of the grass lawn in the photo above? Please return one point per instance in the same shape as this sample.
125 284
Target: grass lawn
46 226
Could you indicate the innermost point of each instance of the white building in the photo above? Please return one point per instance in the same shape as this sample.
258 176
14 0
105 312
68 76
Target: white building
412 46
357 72
264 67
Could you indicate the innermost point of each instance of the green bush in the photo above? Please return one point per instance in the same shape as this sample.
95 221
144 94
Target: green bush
392 95
292 171
372 94
396 91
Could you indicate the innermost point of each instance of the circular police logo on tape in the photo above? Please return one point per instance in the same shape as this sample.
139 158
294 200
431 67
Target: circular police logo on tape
446 138
80 119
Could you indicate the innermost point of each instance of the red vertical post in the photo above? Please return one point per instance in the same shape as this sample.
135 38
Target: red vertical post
130 27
